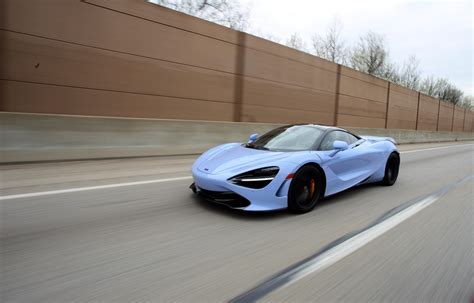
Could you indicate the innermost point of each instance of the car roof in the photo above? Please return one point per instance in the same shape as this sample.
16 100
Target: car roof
321 127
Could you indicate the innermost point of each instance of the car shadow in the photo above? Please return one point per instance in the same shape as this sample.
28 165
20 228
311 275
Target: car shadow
278 214
237 213
343 195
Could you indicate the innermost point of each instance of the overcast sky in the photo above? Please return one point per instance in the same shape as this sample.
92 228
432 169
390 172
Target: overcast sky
438 33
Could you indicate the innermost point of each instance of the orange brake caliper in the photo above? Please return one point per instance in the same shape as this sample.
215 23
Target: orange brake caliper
312 186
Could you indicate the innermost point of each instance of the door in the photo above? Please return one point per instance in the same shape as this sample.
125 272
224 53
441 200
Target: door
346 168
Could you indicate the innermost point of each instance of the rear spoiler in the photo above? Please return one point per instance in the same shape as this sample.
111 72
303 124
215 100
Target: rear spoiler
376 139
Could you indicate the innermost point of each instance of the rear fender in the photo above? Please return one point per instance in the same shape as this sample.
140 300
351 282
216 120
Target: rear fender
378 139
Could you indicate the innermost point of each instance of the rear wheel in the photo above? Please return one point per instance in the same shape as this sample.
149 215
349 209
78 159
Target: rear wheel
305 189
391 169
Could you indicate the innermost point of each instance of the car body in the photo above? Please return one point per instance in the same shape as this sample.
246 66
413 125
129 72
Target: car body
260 175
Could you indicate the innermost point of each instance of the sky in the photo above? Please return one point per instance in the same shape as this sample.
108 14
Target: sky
438 33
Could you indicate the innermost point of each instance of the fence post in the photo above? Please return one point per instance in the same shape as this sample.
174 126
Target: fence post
417 111
452 120
437 121
239 77
386 108
464 120
338 87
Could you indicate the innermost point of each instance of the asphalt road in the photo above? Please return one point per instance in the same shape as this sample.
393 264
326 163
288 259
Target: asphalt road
156 242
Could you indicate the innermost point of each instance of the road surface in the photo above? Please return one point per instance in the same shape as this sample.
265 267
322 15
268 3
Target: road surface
128 230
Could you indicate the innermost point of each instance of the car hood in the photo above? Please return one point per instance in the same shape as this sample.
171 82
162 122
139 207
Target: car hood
235 158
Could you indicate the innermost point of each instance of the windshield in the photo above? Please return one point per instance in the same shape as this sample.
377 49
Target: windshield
288 138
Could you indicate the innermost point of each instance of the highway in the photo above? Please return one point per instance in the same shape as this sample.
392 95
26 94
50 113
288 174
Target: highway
130 230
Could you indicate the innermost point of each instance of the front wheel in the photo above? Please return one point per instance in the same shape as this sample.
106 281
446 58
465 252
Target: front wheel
391 169
305 189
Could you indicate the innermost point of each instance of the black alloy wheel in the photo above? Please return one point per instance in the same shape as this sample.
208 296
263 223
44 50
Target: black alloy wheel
391 169
305 189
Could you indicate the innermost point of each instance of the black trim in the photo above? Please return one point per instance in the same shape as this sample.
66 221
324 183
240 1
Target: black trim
227 198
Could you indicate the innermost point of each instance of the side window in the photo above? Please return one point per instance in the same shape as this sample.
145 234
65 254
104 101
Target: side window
350 138
328 141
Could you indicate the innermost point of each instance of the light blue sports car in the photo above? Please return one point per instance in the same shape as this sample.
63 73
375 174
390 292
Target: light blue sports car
293 167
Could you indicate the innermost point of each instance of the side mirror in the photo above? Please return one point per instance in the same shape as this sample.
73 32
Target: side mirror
340 145
252 138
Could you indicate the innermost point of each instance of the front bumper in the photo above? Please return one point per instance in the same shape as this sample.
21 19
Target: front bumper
226 198
216 189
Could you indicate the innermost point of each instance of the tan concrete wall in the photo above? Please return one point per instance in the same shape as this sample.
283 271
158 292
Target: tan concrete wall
458 121
130 58
445 116
428 113
362 99
469 122
402 108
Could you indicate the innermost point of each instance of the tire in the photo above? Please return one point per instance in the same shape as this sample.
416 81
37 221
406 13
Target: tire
391 169
306 189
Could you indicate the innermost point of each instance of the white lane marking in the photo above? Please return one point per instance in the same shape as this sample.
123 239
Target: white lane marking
434 148
71 190
349 246
62 191
336 253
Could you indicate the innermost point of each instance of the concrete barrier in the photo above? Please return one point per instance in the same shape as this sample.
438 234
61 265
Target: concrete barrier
39 137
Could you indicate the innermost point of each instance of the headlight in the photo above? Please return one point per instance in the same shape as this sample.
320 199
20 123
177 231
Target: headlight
258 178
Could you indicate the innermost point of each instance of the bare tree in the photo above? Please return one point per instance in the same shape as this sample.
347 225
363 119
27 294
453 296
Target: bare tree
295 41
390 72
430 86
330 46
467 102
224 12
370 54
441 88
451 94
409 76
